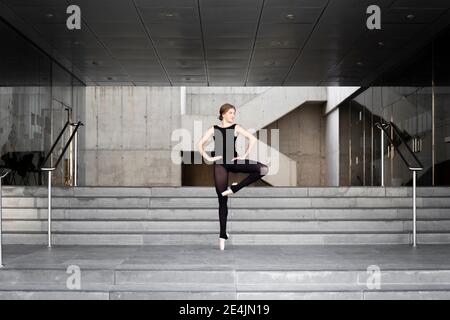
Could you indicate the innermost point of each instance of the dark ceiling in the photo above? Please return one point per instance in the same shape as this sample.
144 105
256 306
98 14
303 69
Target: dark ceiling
227 42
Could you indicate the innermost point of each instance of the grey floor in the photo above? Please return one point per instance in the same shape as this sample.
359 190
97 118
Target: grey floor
241 257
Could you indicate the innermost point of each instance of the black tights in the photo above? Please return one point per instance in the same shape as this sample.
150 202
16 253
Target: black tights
256 169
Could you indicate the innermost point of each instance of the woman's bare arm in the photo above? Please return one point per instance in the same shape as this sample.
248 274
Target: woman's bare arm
249 136
208 134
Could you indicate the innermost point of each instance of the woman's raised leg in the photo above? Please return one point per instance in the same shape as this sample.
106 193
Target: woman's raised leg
257 171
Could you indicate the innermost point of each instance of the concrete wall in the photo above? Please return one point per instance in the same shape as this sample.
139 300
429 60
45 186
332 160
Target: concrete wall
302 137
128 136
207 100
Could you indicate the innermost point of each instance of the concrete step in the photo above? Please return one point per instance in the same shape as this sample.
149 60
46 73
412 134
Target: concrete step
242 280
45 283
210 202
241 226
143 214
202 238
189 192
343 295
52 295
221 295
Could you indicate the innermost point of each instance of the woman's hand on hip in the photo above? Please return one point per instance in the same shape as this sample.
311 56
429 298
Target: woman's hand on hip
215 158
239 158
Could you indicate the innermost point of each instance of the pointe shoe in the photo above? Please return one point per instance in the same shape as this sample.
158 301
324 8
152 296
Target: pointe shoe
229 191
222 242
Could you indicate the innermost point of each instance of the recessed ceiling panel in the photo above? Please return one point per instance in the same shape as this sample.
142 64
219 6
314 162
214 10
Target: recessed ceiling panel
291 15
229 43
296 3
177 42
170 15
291 30
165 3
230 14
228 54
174 30
230 30
428 4
280 43
107 10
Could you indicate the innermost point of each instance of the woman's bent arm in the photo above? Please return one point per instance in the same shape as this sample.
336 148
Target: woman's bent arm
249 136
203 140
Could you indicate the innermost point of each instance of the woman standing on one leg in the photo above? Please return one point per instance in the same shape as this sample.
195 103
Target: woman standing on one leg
225 159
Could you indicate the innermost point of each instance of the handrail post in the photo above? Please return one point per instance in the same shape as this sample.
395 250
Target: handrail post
75 165
75 146
49 214
414 207
382 157
1 222
1 219
49 231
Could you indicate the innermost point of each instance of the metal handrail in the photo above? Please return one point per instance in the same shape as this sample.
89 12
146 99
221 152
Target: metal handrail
384 127
1 217
50 169
413 168
54 144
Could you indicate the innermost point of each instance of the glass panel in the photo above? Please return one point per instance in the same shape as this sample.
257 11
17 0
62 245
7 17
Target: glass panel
24 98
344 145
377 113
357 141
34 93
442 109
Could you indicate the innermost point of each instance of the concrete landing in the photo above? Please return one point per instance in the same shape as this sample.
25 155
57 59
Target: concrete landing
239 272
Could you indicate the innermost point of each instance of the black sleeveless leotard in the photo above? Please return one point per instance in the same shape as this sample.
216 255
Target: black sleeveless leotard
224 144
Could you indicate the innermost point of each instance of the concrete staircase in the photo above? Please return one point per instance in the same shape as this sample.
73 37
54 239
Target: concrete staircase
286 243
257 215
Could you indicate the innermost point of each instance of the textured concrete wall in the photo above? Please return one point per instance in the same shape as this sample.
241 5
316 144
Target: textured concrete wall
128 136
207 100
302 137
